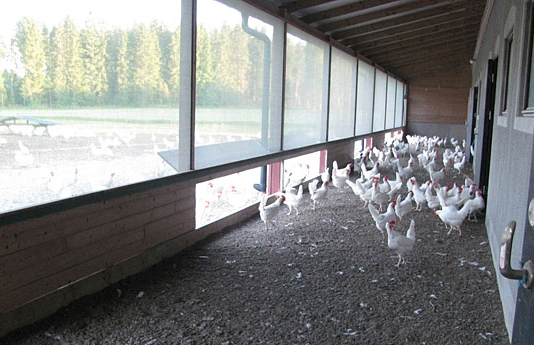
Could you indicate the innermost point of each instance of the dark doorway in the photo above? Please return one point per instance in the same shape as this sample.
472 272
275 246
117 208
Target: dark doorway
489 115
474 113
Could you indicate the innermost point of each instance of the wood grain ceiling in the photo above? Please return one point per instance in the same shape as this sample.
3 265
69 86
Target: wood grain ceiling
406 37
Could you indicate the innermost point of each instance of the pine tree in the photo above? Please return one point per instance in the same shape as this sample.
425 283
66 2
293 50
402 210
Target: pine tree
144 55
67 66
30 43
165 40
204 71
174 67
93 50
117 67
3 93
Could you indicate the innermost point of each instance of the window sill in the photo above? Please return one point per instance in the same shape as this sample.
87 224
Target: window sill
502 120
524 123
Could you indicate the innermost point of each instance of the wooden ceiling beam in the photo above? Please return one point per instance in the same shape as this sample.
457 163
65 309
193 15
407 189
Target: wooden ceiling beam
453 55
436 31
294 6
434 55
390 57
352 8
420 30
403 20
405 9
428 22
425 72
421 44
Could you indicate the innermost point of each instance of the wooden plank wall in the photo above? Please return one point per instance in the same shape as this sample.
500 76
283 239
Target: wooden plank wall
49 261
441 98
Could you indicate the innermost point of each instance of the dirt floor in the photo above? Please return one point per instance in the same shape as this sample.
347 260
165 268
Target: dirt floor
323 277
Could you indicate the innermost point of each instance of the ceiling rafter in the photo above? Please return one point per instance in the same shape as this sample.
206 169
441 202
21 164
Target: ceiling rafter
399 33
454 54
451 29
353 8
461 49
388 58
419 44
405 9
294 6
403 20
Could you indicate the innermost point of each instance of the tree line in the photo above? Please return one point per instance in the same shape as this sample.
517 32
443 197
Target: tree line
67 66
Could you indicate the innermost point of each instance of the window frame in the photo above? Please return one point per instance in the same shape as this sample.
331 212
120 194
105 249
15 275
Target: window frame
505 83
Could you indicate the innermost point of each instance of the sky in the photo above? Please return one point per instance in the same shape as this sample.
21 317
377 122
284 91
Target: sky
111 14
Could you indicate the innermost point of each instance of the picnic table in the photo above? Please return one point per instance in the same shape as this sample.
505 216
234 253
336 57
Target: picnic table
26 120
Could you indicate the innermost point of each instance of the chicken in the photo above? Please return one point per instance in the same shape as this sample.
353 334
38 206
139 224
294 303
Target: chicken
339 177
468 181
61 182
403 207
269 212
405 172
451 216
297 175
370 173
460 165
379 197
418 195
318 194
364 194
23 156
399 243
436 176
293 199
432 200
382 219
385 187
393 183
475 205
325 176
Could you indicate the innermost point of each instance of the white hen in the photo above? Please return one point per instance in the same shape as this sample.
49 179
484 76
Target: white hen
399 243
269 212
318 194
451 216
293 199
403 207
382 219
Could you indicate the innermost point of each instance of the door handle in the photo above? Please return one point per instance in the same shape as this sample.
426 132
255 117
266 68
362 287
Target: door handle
526 275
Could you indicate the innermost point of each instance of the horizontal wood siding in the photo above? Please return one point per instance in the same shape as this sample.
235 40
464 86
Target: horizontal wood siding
48 261
41 258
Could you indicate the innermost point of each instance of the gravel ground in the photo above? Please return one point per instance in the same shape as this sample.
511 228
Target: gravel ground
323 277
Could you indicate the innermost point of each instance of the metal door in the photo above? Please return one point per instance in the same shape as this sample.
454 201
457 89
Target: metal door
523 329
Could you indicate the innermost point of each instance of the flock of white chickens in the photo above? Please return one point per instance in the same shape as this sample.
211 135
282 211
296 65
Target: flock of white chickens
451 204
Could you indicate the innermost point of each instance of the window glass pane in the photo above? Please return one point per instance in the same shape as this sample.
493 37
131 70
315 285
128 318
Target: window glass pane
364 98
92 96
398 104
390 105
226 195
302 168
342 95
380 101
237 46
305 90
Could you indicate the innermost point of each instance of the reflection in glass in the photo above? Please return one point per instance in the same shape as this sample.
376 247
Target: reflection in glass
305 90
92 97
364 99
379 116
342 95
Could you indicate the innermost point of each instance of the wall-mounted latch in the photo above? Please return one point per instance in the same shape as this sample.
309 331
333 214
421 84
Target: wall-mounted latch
526 275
